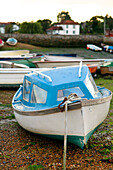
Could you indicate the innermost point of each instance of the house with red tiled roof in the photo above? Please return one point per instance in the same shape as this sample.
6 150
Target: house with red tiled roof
65 27
15 27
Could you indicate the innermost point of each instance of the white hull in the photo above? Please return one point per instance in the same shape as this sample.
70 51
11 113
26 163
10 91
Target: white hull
8 64
93 47
53 64
61 58
79 122
14 76
14 52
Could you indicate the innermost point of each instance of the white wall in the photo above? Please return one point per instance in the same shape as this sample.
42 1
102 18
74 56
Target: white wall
2 30
70 30
15 27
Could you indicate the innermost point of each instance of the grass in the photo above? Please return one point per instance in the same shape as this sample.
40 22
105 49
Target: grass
6 105
35 167
82 52
27 146
8 117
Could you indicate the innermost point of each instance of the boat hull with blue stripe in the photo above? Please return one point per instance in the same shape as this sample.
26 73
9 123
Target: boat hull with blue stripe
39 104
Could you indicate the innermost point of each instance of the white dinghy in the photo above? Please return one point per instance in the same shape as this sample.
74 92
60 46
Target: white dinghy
38 104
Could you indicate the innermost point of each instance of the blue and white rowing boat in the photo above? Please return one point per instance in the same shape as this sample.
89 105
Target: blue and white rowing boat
93 47
108 48
11 41
38 104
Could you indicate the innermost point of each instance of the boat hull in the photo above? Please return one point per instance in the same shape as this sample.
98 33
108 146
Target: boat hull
13 77
61 58
106 70
92 64
11 41
14 53
81 122
93 47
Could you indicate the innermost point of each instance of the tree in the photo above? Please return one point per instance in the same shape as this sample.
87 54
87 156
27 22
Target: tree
97 24
94 26
30 28
9 28
109 22
46 23
63 16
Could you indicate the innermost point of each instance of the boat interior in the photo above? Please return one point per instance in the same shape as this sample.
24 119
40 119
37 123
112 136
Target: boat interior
8 64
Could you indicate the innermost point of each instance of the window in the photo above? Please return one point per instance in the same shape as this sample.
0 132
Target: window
91 85
66 92
26 90
73 26
66 26
38 95
66 31
73 32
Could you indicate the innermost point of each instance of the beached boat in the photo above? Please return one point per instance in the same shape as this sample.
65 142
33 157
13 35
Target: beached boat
11 41
61 57
107 48
42 64
92 67
38 104
92 64
93 47
29 61
1 43
8 64
63 54
107 68
11 73
14 52
16 58
13 76
110 49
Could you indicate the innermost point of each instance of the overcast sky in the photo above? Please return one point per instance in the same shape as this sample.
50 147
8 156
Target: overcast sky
33 10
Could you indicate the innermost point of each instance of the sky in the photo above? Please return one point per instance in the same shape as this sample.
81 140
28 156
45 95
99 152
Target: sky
33 10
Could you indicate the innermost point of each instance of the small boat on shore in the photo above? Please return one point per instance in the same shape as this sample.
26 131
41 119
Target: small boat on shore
11 41
9 64
39 103
93 47
14 53
63 54
93 64
19 56
61 57
107 48
13 76
92 67
1 43
107 68
110 49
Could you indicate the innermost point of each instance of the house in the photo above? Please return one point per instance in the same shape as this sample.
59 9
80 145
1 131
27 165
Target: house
15 27
109 33
4 24
65 27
